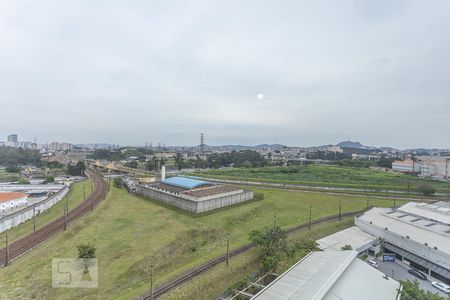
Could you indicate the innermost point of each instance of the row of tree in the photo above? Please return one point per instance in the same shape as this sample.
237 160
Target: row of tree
76 170
12 157
245 158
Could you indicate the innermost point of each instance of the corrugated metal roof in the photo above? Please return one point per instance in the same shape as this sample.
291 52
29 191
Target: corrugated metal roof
184 182
330 275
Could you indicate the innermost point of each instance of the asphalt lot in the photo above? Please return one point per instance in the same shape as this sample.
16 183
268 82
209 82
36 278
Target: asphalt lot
400 272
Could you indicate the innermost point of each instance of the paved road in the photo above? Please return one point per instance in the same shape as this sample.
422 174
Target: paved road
400 272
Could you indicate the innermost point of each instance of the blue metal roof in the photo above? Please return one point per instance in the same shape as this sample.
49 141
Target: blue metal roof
184 182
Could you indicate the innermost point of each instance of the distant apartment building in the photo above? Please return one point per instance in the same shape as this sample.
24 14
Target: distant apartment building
426 166
406 166
65 146
334 148
12 138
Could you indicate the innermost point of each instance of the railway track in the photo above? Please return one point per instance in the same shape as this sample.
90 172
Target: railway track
25 244
192 273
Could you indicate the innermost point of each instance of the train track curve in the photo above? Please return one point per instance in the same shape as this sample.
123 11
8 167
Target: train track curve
192 273
25 244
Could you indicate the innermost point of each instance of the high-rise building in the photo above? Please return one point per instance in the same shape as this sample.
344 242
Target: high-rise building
12 138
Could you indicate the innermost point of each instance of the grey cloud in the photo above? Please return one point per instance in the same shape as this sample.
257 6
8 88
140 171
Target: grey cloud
164 71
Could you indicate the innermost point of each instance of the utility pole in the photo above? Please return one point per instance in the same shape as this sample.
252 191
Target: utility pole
84 191
65 215
151 282
395 201
228 251
34 218
7 249
340 209
310 215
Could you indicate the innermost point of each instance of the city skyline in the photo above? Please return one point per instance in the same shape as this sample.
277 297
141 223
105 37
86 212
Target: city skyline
374 72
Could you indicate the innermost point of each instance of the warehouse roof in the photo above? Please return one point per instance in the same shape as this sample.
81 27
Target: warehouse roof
418 229
331 275
353 236
184 182
439 211
9 196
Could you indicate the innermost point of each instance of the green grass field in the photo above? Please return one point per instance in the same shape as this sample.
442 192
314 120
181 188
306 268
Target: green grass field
129 231
8 176
74 197
332 176
219 279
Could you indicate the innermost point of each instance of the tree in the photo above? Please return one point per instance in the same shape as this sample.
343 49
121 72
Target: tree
49 179
131 164
347 247
23 181
118 182
273 246
76 170
426 189
86 251
412 291
179 160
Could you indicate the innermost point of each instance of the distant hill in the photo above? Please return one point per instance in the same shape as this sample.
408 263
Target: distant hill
350 144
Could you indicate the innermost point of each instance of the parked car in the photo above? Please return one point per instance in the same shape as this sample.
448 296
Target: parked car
441 286
373 263
417 273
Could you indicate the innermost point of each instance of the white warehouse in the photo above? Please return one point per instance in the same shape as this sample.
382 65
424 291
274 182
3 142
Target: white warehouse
11 200
417 233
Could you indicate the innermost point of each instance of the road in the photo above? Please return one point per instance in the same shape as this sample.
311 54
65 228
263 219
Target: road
400 272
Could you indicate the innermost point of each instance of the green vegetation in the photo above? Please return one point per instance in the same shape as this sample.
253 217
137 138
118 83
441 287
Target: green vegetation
219 279
118 182
129 232
74 197
325 175
12 157
274 246
86 251
412 291
426 189
347 247
244 158
76 170
23 181
6 176
49 179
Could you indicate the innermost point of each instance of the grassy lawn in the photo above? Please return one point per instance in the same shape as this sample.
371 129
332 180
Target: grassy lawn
8 176
214 282
333 176
129 231
74 197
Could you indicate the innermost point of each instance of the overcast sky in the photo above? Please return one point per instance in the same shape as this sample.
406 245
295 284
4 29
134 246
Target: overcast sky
130 72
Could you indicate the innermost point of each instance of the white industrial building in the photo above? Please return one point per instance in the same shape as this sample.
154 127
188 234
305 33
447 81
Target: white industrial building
406 166
12 200
437 167
331 275
418 233
354 237
193 195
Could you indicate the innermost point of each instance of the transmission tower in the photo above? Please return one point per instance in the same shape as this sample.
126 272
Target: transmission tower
202 144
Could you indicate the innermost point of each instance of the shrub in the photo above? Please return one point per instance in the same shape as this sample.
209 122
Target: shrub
258 196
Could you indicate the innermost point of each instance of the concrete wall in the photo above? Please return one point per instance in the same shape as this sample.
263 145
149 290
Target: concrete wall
194 206
26 213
